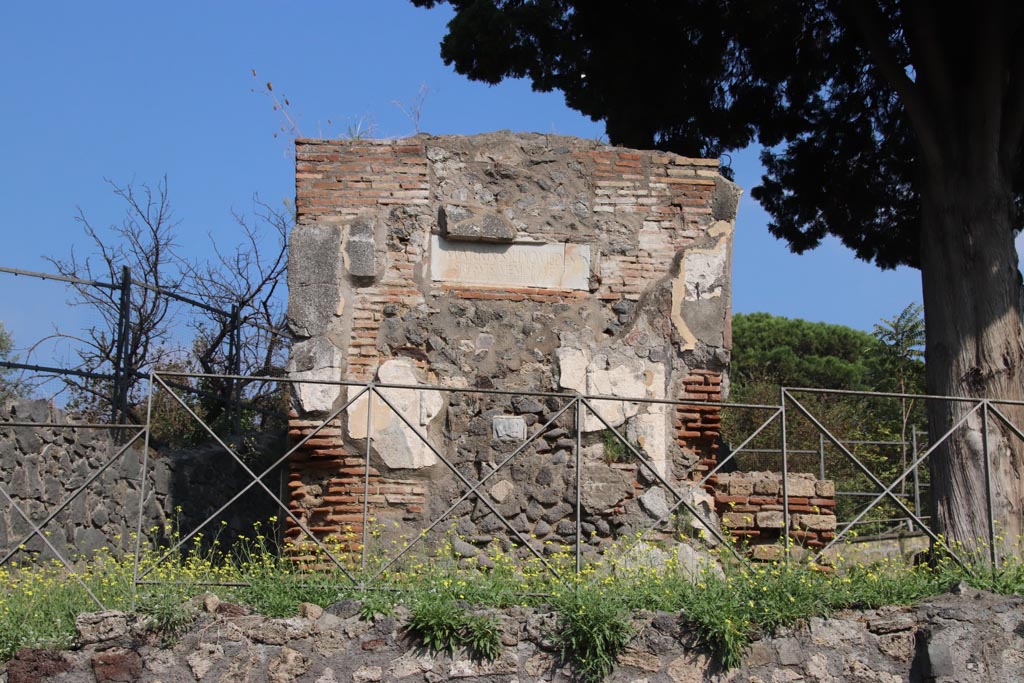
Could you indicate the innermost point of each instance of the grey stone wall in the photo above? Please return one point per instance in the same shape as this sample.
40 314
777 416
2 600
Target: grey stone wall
42 467
969 638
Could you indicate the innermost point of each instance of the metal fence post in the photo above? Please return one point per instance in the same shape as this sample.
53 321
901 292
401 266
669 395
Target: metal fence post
371 392
917 478
821 456
235 361
579 482
118 397
785 478
993 556
144 475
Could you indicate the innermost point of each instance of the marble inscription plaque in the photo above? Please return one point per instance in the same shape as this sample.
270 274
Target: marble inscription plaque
550 266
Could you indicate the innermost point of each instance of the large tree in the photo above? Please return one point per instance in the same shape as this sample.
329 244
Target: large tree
791 352
895 126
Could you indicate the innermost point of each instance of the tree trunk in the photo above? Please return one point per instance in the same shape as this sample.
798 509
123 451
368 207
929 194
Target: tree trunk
974 348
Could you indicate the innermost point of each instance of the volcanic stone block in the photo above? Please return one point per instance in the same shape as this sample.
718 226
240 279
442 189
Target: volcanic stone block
502 490
360 250
655 503
475 223
800 486
765 484
603 487
740 486
770 520
815 522
738 520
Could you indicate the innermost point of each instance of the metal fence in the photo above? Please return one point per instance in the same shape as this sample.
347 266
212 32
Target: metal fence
917 492
793 405
116 371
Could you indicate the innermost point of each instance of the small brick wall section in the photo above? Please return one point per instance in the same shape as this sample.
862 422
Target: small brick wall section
328 485
699 427
750 505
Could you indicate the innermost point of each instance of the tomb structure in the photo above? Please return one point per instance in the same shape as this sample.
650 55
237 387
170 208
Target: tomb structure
540 265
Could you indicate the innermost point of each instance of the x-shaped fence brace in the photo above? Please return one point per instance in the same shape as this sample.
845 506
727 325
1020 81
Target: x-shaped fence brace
37 529
985 406
681 499
371 390
580 403
257 480
473 489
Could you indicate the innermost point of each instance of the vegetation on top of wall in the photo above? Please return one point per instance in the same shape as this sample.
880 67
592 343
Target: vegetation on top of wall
8 385
447 598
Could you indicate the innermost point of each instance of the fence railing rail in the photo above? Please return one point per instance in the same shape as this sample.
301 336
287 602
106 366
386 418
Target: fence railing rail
120 375
580 407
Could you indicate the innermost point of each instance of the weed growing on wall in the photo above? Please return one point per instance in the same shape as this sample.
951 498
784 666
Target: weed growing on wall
443 625
593 629
448 598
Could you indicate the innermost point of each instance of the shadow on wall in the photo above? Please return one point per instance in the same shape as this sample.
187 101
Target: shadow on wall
81 486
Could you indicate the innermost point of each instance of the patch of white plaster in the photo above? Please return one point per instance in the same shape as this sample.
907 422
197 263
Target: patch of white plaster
397 444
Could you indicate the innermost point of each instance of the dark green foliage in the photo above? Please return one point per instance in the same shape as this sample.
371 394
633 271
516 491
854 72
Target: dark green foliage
796 353
701 77
589 51
776 351
771 351
900 365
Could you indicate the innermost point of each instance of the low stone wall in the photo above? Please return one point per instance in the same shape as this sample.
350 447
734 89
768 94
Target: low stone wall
968 638
42 467
751 507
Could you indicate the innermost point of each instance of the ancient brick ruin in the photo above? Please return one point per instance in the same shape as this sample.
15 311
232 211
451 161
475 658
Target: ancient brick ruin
751 508
526 263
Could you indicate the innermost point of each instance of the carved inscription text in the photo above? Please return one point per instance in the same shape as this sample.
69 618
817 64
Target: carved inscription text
551 266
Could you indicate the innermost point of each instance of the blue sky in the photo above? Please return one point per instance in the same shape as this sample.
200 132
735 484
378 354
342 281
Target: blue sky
134 91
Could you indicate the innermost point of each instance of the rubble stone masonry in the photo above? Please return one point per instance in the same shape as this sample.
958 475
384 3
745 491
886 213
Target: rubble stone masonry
519 262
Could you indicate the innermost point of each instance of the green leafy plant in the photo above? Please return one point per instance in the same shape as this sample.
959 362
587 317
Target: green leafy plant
372 603
170 612
614 449
437 621
442 625
482 635
593 628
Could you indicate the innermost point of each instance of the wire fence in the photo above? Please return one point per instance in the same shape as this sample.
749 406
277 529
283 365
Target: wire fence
916 492
245 477
115 372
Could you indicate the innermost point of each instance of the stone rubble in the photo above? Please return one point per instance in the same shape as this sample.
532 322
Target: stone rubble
964 637
526 263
